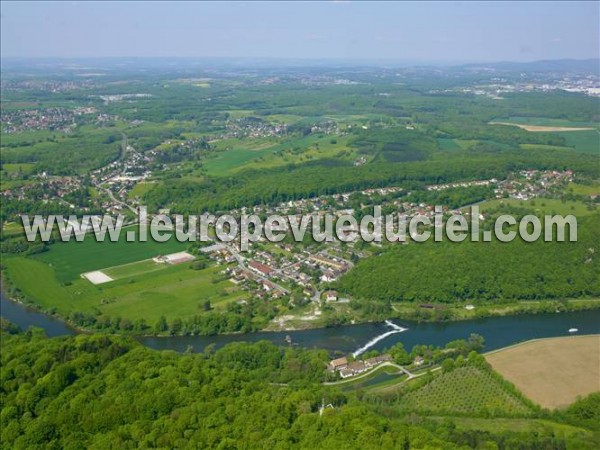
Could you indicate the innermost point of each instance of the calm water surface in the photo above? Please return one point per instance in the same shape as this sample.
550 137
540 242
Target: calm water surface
497 331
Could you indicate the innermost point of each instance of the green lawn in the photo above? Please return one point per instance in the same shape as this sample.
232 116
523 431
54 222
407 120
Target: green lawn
36 280
584 141
71 259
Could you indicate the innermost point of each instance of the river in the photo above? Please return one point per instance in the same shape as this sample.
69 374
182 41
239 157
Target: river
498 331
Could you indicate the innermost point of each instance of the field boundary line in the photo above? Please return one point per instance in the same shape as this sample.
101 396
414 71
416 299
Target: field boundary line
531 341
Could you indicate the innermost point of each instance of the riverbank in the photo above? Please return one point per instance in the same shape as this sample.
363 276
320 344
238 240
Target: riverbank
421 314
498 332
443 313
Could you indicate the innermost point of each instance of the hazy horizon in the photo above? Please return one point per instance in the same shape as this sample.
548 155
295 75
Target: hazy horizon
404 32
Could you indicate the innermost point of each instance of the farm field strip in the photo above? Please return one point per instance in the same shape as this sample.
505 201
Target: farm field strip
70 259
136 268
541 128
563 368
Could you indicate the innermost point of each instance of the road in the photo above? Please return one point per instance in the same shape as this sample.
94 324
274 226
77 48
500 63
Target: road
122 154
114 199
242 264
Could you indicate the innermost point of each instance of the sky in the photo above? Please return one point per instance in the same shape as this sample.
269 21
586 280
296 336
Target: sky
398 31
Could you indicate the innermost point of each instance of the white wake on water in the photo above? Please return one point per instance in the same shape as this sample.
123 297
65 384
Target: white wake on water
375 340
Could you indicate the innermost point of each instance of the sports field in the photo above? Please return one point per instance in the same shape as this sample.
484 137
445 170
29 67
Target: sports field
552 372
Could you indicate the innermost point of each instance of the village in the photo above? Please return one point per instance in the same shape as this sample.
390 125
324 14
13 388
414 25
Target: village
299 273
63 120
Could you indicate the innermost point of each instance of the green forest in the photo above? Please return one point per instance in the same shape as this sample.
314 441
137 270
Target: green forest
100 391
475 271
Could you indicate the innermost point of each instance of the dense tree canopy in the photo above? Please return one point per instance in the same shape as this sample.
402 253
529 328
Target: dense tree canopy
109 392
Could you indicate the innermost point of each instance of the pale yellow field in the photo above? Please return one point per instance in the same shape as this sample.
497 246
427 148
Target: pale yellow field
552 372
539 128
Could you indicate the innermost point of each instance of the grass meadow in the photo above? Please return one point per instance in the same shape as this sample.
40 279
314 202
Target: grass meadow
71 259
173 291
141 288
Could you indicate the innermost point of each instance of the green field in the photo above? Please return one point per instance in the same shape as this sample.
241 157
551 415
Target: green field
236 154
583 141
173 292
465 390
541 147
448 144
71 259
141 288
133 269
140 189
540 206
585 189
25 168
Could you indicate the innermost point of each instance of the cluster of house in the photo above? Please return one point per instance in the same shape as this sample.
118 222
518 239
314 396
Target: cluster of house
298 267
121 176
331 267
324 80
256 272
48 188
441 187
252 128
360 161
47 85
120 97
348 369
51 119
528 184
586 84
48 119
